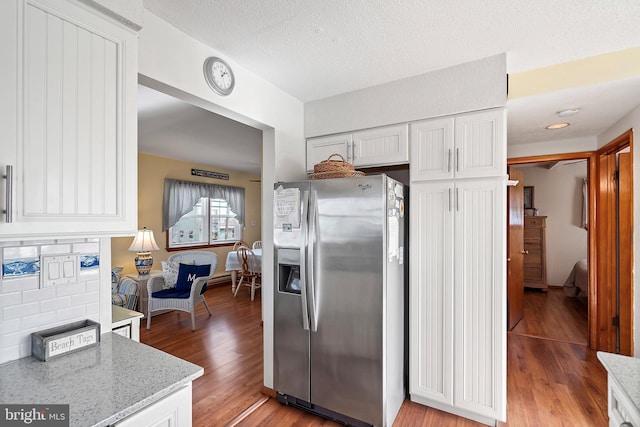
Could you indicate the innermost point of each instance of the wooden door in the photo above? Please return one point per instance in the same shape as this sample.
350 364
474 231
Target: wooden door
625 256
515 249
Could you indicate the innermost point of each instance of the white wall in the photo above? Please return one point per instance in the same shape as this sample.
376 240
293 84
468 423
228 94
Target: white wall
558 195
573 145
471 86
171 61
631 121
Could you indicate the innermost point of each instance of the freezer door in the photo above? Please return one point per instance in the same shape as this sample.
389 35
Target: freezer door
291 320
348 247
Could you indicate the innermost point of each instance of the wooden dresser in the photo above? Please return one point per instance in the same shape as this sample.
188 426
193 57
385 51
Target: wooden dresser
535 259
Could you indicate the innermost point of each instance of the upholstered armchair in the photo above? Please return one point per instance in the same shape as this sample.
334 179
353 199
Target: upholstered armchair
182 284
124 291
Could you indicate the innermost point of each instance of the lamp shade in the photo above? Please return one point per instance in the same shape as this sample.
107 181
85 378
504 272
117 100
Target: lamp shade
144 242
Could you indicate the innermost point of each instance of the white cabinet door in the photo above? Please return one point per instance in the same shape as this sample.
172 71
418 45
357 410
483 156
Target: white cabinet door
171 411
72 136
319 149
457 350
431 293
467 146
480 144
382 146
432 149
480 297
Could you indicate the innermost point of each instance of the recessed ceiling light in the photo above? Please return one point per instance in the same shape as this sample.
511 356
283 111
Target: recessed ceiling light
557 126
568 112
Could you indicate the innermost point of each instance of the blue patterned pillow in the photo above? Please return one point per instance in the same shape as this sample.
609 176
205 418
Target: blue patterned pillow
188 273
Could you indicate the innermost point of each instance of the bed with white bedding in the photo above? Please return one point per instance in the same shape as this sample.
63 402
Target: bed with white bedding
578 280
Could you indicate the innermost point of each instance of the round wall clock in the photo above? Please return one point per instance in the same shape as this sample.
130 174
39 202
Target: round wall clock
219 75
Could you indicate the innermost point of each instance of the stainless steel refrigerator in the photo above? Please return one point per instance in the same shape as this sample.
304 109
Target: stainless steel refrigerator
339 331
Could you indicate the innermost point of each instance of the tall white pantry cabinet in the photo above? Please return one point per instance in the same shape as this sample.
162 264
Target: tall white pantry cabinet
68 121
457 350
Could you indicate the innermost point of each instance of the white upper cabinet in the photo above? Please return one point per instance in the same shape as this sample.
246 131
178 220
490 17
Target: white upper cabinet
387 145
319 149
383 146
69 126
465 146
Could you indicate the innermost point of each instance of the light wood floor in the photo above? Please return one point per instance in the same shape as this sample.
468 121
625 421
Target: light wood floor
550 383
553 315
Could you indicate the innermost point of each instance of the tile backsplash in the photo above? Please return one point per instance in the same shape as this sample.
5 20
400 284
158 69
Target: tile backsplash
25 307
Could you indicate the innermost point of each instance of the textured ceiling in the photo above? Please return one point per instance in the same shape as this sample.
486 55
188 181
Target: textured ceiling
314 49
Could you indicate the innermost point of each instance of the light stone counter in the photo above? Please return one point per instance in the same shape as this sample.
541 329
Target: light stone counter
102 384
626 371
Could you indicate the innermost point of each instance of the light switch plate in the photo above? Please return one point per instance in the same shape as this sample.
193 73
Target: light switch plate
58 269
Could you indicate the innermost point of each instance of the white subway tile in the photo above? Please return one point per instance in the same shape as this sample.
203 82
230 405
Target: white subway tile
13 298
7 326
39 242
89 274
55 304
87 248
71 313
9 354
71 289
10 340
71 241
55 249
20 252
18 311
93 311
20 284
93 240
38 295
25 349
85 298
39 321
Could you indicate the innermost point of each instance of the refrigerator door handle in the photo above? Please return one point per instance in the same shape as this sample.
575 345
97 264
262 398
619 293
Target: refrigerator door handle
311 297
304 243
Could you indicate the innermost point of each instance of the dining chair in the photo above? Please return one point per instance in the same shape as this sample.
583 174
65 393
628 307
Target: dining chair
257 244
249 271
238 244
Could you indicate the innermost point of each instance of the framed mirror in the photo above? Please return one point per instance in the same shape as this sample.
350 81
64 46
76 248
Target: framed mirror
528 198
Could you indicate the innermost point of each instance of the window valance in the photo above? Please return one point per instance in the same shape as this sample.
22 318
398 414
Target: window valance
180 197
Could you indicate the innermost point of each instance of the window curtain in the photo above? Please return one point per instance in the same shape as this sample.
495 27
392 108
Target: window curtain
180 197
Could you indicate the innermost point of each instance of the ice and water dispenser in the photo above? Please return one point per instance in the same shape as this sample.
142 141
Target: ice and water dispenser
288 270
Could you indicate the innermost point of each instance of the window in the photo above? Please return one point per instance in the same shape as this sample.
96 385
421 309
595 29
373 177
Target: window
201 214
211 221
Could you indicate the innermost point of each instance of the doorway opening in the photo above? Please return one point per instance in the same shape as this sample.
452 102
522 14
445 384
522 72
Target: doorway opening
571 234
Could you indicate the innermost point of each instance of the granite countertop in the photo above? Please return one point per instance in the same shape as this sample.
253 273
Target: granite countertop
626 371
102 384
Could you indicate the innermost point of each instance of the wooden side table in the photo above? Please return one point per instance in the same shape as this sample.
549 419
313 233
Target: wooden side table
142 279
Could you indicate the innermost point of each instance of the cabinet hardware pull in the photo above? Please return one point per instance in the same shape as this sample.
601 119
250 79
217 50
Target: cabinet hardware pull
457 199
8 195
457 160
449 161
449 200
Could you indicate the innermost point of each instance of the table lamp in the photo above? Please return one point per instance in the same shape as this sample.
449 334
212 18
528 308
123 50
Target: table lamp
144 243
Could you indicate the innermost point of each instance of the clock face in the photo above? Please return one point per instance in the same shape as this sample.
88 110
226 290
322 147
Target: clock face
219 75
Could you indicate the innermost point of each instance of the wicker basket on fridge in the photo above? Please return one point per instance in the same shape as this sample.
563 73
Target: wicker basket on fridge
331 168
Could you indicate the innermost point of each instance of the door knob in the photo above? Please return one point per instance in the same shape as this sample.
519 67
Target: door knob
524 252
